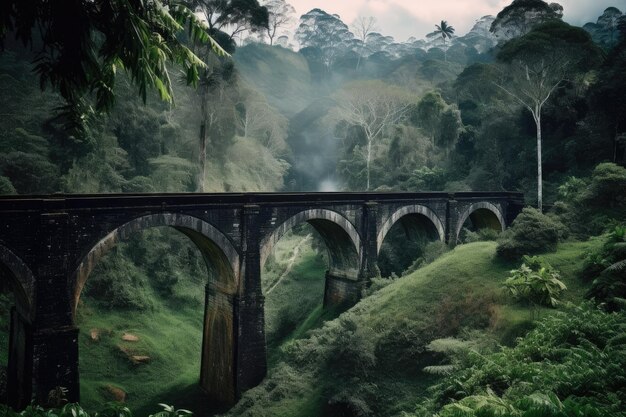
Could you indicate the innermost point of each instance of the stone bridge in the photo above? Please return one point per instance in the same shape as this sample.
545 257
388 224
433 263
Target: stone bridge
50 244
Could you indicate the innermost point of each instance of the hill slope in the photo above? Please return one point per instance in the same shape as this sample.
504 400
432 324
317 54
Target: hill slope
377 350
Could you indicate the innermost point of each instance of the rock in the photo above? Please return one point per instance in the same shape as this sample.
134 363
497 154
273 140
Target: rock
117 394
129 337
94 334
137 359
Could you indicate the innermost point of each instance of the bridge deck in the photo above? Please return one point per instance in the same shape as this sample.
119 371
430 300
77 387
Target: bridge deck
55 202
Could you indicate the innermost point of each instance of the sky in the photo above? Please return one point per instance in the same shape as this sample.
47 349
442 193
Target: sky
405 18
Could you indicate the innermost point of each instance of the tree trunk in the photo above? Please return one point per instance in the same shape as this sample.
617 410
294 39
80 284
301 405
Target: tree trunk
369 157
203 140
539 175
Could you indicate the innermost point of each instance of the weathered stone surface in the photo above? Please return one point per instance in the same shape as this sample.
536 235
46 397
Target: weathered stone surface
50 244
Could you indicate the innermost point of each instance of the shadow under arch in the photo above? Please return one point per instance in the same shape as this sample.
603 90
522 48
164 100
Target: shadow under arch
342 240
217 374
21 282
482 215
414 216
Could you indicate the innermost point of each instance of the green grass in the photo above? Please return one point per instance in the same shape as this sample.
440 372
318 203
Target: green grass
294 305
171 337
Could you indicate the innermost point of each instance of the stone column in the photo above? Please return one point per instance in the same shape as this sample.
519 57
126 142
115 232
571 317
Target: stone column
452 219
217 376
19 371
340 291
51 342
249 314
370 237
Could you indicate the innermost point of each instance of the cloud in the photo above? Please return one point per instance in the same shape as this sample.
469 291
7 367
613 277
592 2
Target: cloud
405 18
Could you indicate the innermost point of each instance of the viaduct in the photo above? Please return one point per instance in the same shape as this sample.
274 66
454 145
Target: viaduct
50 244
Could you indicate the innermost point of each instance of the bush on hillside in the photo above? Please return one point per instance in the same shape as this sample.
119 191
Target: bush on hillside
6 187
608 267
535 282
591 206
480 235
531 233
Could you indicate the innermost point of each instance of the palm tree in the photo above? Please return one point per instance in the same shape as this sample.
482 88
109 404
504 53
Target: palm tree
446 31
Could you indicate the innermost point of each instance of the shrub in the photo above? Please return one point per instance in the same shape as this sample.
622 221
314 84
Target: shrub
481 235
535 282
609 267
594 205
531 233
6 187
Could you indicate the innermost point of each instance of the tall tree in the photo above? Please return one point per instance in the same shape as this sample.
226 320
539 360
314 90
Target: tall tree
535 66
324 32
280 15
521 16
445 31
373 107
81 44
362 28
428 113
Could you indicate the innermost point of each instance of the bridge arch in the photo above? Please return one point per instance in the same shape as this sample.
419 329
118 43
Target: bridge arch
220 255
482 214
340 236
419 213
21 280
217 373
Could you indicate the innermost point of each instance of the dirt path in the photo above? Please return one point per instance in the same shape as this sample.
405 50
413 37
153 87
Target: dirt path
292 261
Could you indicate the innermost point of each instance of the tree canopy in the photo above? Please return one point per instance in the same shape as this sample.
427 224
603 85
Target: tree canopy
79 45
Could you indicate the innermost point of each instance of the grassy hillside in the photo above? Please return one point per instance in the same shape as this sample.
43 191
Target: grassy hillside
377 350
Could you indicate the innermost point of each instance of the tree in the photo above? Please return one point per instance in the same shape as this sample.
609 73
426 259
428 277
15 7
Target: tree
535 66
228 18
428 113
257 119
280 15
216 111
449 128
445 31
362 28
374 107
324 32
82 44
518 18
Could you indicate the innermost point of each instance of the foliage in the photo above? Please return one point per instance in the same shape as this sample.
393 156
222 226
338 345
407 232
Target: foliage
571 364
535 282
481 235
6 187
521 16
531 233
75 410
84 46
608 267
594 204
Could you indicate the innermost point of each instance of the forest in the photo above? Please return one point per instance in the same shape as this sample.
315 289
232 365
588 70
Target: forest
212 96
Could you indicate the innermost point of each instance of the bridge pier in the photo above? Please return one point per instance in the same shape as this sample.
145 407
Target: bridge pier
20 366
251 359
340 291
